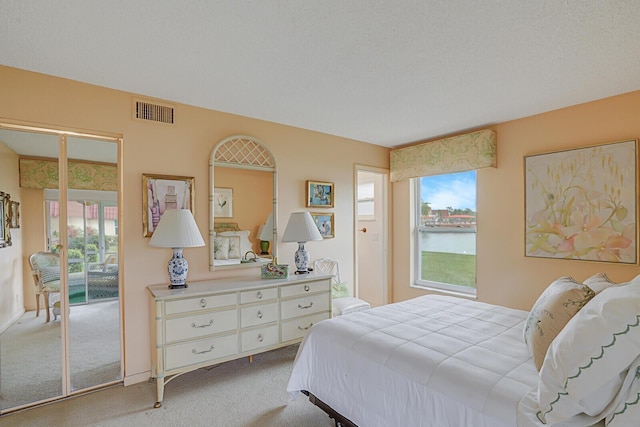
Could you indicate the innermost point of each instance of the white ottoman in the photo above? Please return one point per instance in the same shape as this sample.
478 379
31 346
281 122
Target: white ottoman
346 305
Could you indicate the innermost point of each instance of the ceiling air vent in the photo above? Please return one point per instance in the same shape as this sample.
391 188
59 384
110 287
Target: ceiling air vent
153 112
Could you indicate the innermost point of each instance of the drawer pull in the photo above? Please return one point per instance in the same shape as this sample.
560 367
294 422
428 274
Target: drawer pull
306 288
203 351
206 325
260 314
306 306
203 303
260 337
305 328
259 294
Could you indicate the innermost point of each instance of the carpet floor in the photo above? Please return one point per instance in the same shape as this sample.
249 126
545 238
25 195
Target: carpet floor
232 394
31 354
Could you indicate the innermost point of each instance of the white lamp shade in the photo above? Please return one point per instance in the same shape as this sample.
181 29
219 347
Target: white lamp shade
177 229
266 230
301 228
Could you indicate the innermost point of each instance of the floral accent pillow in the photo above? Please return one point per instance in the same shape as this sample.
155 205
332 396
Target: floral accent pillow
234 247
552 311
221 247
245 244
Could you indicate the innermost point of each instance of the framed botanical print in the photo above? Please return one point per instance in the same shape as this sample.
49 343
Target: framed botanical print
14 213
222 202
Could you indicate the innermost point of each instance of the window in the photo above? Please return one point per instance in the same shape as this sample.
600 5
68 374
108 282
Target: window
445 235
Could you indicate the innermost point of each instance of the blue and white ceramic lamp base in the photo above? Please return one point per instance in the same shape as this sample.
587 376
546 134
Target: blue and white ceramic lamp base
302 259
178 268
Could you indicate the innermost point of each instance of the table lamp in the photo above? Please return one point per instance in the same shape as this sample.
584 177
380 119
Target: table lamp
301 229
265 234
177 229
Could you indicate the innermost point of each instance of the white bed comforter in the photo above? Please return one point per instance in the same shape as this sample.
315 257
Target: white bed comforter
430 361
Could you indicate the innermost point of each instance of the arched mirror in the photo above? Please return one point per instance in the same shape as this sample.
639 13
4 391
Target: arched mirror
242 204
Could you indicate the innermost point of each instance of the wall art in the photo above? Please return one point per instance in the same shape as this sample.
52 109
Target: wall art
581 204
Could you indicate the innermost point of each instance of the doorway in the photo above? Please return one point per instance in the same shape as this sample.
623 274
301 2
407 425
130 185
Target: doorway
372 230
79 348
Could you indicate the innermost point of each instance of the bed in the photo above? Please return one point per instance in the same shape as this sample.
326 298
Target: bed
447 361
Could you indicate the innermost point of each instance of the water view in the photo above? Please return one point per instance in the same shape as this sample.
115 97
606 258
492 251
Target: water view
456 243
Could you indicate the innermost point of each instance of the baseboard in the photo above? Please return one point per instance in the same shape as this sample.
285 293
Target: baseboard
13 318
137 378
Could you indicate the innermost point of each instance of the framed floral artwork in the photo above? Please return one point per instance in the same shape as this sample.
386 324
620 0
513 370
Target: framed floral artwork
161 192
581 204
222 202
319 194
324 222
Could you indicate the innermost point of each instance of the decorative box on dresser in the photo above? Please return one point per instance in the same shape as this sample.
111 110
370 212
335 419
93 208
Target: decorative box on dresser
216 321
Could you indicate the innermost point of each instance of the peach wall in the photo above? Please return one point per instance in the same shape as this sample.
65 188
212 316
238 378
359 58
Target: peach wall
505 276
184 149
252 199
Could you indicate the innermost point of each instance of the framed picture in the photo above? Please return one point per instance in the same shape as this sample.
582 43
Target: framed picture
162 192
222 202
581 204
5 209
325 224
14 215
319 194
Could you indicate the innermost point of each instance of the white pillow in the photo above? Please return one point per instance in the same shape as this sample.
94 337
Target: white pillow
554 308
599 282
221 247
245 244
588 360
626 411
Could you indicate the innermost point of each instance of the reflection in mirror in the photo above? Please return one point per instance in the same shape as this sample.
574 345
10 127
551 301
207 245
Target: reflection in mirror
32 331
242 195
92 237
26 339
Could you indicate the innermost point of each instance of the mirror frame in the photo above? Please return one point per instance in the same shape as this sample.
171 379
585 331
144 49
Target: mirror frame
241 152
5 218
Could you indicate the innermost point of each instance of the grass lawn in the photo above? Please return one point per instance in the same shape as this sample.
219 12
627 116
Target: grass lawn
454 269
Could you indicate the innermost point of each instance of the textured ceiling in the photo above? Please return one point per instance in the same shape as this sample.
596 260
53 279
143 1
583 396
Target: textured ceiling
383 72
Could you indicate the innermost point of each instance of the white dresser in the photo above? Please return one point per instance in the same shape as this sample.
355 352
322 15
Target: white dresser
215 321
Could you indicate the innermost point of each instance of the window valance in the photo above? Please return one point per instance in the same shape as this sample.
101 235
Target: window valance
43 173
456 154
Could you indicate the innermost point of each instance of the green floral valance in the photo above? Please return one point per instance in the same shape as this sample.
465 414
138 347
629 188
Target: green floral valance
456 154
43 173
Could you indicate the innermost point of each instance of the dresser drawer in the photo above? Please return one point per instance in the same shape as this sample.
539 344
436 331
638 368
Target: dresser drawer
297 328
305 288
200 351
247 297
258 315
258 338
199 325
305 305
198 304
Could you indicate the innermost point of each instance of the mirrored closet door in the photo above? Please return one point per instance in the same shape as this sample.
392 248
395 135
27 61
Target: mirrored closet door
62 335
